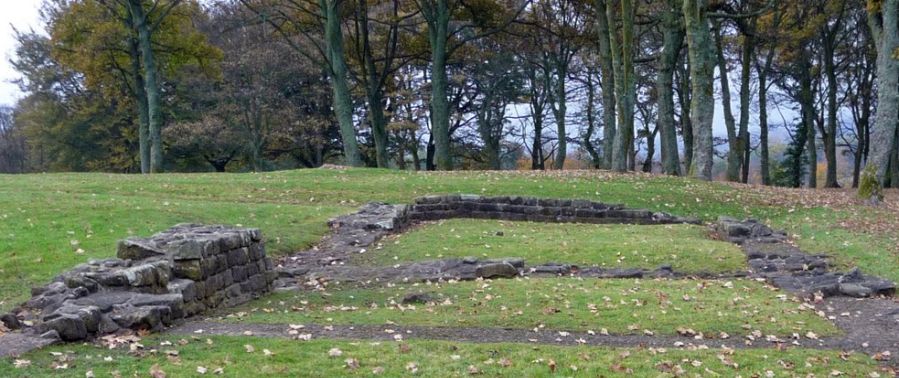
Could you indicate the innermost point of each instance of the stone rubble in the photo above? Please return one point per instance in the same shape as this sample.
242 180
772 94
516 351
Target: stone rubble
186 270
771 257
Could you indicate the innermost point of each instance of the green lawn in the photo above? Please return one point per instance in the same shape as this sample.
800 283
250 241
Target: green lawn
687 248
252 356
563 304
43 215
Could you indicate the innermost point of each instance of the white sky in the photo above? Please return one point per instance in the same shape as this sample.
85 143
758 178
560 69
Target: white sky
23 15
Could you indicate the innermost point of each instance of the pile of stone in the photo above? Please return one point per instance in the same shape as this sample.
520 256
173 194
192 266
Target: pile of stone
184 271
515 208
737 231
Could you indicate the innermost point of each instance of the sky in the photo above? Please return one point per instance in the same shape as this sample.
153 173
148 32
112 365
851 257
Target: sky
22 15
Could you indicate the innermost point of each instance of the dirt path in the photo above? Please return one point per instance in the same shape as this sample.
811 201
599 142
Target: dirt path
484 335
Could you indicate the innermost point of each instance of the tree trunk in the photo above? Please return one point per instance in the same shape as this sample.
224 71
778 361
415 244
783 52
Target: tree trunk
894 163
143 112
430 151
151 84
607 83
748 53
734 152
685 102
886 36
596 160
373 89
437 17
342 100
560 110
764 158
808 119
702 102
829 134
673 37
625 89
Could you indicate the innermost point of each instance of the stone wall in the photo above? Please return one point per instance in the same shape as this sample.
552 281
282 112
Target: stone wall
516 208
184 271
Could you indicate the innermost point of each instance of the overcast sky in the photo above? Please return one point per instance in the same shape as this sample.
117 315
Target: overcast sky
22 15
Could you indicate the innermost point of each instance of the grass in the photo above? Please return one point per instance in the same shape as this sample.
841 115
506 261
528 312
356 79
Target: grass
41 214
687 248
44 233
562 304
318 358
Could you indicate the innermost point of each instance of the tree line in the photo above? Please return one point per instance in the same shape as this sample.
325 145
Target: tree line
180 85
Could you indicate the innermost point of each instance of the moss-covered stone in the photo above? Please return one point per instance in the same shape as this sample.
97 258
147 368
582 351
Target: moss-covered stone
869 187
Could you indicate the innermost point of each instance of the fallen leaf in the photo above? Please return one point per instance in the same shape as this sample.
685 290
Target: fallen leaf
156 372
21 363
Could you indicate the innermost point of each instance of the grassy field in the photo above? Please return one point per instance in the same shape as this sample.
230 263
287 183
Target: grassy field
49 222
252 356
563 304
687 248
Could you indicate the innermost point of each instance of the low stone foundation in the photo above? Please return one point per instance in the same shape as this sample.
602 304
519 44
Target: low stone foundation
184 271
514 208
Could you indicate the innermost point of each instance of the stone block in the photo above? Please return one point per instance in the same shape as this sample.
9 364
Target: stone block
201 289
239 273
227 278
189 269
168 300
210 265
496 270
252 269
138 249
255 235
147 317
89 316
194 249
257 251
233 291
258 282
582 212
155 273
187 289
107 325
69 327
194 307
79 280
238 256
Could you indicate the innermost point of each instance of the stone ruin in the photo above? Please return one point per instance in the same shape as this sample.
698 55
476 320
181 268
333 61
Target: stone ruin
186 270
354 233
192 269
769 253
515 208
771 256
